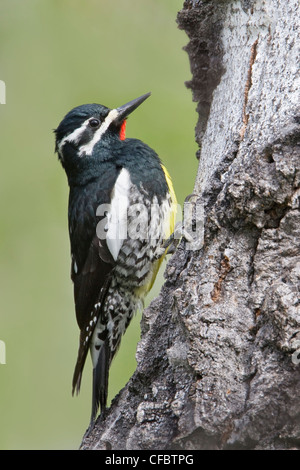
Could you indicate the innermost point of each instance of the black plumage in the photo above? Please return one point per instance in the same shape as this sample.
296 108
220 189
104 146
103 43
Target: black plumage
110 276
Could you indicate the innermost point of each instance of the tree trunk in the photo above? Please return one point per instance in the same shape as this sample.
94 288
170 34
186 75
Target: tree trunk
217 364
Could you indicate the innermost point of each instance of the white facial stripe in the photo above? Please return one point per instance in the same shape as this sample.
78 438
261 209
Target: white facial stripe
87 149
75 135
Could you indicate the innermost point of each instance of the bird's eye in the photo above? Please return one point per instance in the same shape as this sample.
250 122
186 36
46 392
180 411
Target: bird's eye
94 122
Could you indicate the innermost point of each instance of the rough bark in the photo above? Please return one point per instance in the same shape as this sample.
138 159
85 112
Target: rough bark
217 364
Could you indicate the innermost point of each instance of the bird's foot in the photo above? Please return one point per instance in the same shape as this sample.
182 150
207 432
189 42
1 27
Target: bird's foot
191 229
172 242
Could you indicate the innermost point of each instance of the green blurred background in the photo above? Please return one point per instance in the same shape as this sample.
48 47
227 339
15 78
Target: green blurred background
54 55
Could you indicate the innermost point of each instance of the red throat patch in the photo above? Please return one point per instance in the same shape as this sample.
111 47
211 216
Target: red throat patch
123 130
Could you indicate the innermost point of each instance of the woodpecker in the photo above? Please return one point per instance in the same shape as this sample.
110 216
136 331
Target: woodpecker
122 208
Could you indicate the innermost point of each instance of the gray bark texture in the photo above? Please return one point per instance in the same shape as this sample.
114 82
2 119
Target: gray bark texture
218 364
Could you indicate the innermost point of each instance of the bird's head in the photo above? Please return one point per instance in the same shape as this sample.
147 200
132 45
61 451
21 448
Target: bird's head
85 126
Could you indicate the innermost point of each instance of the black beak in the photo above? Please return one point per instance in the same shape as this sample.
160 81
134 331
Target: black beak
126 109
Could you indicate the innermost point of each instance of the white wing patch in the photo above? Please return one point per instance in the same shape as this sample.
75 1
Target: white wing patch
117 215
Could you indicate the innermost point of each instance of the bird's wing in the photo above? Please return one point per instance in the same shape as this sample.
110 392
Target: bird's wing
90 288
92 262
97 234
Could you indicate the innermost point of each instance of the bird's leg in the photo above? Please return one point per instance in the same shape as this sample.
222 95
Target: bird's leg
188 229
172 242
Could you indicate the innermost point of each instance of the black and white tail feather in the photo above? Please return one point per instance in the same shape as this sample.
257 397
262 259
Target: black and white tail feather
101 360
